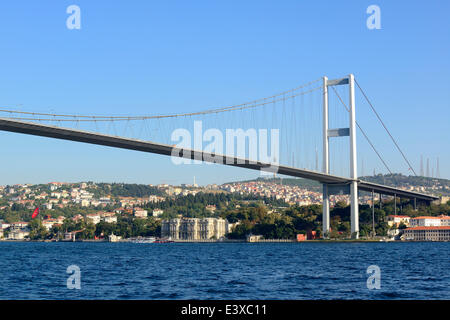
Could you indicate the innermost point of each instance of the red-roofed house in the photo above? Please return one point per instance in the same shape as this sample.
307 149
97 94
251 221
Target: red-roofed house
425 221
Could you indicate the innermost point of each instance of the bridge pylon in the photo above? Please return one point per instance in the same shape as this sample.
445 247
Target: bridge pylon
352 188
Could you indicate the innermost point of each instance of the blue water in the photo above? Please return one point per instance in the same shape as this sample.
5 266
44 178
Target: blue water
224 270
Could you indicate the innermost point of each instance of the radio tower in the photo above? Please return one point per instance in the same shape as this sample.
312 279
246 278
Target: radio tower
317 161
362 167
438 174
421 165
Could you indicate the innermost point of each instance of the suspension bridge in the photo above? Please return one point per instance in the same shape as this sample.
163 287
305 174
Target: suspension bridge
308 119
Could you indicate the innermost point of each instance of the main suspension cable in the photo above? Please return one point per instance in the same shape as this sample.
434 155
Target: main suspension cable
242 106
362 131
387 130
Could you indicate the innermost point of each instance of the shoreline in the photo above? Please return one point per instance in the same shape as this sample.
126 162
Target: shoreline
225 241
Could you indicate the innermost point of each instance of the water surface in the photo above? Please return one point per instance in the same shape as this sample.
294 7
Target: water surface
224 270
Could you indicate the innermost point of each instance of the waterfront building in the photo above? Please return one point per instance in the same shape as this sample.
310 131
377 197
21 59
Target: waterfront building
113 238
254 237
301 237
445 220
193 228
18 234
71 236
439 233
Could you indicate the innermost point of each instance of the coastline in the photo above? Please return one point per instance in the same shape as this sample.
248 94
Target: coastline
227 241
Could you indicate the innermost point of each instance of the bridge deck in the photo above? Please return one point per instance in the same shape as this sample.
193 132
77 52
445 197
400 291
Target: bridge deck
163 149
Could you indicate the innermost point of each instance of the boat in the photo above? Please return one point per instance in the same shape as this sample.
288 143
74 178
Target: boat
163 241
144 240
149 240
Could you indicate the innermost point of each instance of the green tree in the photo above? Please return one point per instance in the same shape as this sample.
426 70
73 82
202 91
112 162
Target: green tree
88 232
37 230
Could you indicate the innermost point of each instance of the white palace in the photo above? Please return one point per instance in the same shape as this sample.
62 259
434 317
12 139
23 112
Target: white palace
194 228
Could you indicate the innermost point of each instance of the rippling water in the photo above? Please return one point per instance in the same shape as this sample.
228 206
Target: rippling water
224 270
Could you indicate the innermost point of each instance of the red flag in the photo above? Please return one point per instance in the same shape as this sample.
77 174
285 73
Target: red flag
35 213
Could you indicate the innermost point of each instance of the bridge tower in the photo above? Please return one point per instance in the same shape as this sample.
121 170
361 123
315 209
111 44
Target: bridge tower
352 188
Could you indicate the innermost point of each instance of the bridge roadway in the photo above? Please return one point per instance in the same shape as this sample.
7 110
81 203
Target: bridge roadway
163 149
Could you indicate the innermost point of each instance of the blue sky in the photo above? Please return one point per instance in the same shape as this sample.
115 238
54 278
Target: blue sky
156 57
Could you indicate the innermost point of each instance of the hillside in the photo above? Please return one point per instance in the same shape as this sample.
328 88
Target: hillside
420 184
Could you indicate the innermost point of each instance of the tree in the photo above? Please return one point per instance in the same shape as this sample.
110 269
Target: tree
88 232
37 230
402 226
56 231
334 234
241 230
68 225
382 228
104 229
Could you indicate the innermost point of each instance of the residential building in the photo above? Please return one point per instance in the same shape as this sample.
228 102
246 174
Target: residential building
94 218
426 221
85 203
4 225
18 225
140 213
153 198
18 234
49 223
157 212
395 220
109 217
